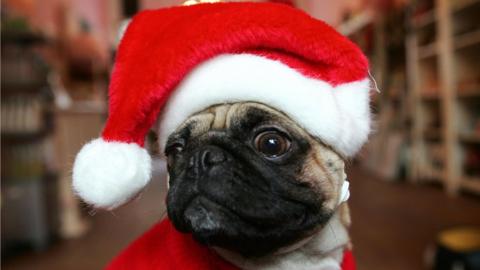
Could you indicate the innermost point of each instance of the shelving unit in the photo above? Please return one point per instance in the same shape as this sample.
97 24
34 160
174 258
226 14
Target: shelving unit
427 116
443 46
28 183
44 122
382 41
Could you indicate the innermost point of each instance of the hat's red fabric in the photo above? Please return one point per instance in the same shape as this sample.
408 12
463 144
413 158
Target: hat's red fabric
164 248
161 46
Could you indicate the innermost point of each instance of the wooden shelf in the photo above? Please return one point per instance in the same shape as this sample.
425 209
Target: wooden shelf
466 40
426 19
471 184
356 23
434 134
22 137
430 97
465 5
449 61
471 92
470 138
22 88
24 38
427 51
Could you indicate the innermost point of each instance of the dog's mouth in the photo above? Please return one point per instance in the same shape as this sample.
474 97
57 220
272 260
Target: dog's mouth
213 223
206 220
203 213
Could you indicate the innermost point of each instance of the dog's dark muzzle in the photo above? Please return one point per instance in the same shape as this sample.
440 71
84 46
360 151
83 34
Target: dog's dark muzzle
224 200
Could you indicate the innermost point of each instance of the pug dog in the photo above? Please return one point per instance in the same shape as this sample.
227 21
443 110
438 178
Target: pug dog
249 182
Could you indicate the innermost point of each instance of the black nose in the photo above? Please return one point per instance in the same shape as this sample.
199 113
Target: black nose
208 157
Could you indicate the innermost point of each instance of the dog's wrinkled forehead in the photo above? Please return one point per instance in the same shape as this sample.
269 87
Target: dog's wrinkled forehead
237 118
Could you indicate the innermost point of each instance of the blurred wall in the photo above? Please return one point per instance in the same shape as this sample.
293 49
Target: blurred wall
46 15
104 16
328 10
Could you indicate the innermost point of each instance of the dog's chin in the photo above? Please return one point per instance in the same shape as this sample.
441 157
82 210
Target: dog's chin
206 219
214 225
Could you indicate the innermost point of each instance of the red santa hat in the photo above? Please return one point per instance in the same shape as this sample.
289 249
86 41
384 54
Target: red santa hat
174 62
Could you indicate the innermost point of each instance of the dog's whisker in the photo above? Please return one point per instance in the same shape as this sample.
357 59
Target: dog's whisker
164 213
92 212
333 233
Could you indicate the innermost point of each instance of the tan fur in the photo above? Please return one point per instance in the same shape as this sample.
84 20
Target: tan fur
323 171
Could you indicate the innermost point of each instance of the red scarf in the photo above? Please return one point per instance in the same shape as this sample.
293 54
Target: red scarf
164 248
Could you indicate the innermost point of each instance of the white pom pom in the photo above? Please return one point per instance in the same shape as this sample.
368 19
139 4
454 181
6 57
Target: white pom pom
108 174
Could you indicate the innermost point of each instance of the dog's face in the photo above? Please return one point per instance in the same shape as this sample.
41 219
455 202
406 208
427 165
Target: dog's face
245 177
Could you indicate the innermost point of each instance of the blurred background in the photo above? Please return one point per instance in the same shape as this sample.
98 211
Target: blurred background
415 187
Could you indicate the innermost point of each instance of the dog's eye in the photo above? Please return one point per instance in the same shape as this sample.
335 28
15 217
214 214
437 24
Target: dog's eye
272 144
174 149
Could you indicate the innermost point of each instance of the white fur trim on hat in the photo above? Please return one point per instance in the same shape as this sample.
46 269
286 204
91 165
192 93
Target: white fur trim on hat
107 174
337 115
344 192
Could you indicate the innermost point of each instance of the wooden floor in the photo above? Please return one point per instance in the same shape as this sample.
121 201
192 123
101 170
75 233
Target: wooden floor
393 224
